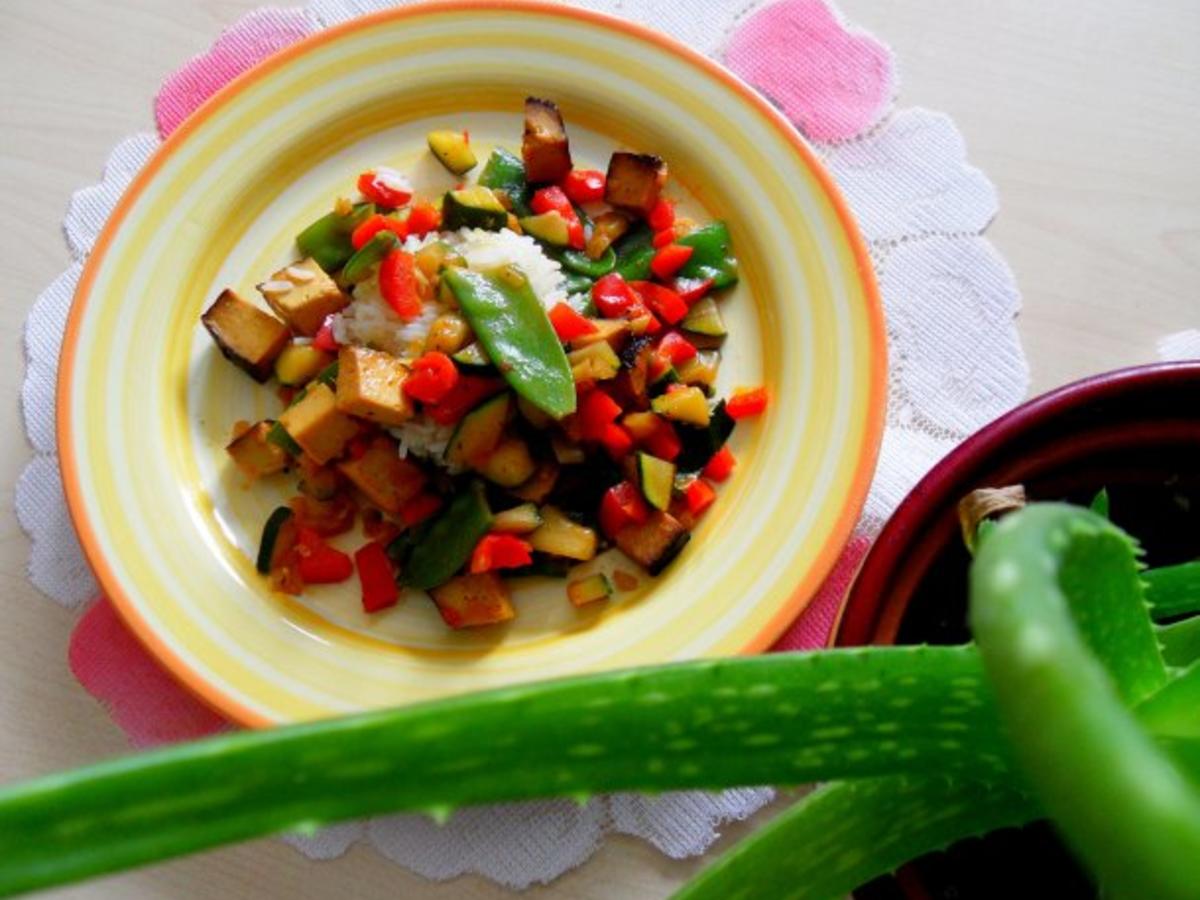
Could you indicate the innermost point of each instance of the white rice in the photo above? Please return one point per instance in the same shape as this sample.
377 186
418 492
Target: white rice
369 321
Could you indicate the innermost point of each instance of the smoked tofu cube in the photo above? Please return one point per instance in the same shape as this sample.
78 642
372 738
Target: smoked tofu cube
254 454
316 425
655 542
246 335
303 295
370 385
635 181
544 148
469 601
387 480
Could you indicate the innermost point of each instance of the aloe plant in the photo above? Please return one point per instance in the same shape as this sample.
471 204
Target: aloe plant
1067 707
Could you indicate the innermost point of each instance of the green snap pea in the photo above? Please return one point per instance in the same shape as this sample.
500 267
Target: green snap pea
445 546
370 255
582 264
711 255
327 240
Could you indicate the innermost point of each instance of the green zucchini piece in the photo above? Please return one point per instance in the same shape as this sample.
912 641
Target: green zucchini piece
701 370
711 256
369 256
280 438
327 240
634 251
705 318
656 477
510 322
472 356
518 520
509 465
549 228
699 444
589 590
665 379
452 150
479 431
581 264
505 171
446 547
473 207
272 531
329 374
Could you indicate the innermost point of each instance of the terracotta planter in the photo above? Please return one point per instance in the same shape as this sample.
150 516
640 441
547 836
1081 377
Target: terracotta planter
1135 432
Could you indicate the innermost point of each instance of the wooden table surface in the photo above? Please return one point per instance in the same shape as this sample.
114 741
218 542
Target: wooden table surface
1086 114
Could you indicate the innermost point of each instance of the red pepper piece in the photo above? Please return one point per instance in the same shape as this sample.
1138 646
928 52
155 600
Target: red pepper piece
419 508
613 296
500 551
746 402
662 301
584 185
597 411
670 259
385 187
318 563
568 324
720 465
379 589
662 238
699 495
691 289
424 218
617 440
675 347
662 216
554 199
622 505
324 339
664 442
432 377
466 394
398 284
375 224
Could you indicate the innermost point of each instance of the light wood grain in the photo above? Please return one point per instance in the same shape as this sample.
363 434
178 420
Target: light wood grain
1085 113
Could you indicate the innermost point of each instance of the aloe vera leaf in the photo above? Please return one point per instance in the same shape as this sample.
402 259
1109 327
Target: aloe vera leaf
1173 590
1174 711
1100 503
776 719
848 832
1180 641
1121 802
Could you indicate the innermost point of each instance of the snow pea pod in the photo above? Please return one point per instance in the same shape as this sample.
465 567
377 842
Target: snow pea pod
369 255
327 240
582 264
510 322
634 253
711 256
505 171
446 544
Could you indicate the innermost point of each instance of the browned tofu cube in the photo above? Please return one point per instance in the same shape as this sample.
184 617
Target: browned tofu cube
254 454
369 384
387 480
544 149
316 425
468 601
635 181
247 336
303 295
655 542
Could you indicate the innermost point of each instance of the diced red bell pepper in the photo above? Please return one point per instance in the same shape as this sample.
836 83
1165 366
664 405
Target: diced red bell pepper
398 284
317 562
568 324
675 347
554 199
662 301
500 551
617 440
375 224
691 289
720 464
662 216
432 377
419 508
324 339
379 589
597 411
613 296
386 187
423 218
584 185
622 505
670 259
699 495
746 402
664 442
662 238
466 394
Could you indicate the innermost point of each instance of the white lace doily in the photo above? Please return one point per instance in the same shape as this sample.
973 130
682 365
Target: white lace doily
956 363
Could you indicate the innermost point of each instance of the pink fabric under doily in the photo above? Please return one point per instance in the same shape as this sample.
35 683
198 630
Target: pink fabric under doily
833 82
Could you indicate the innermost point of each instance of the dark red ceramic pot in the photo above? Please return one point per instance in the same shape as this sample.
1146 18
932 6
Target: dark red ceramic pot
1135 432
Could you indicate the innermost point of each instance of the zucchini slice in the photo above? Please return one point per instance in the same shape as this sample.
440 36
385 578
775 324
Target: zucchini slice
548 227
656 478
509 464
705 318
472 356
518 520
560 536
473 207
452 150
278 535
479 431
699 444
589 590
